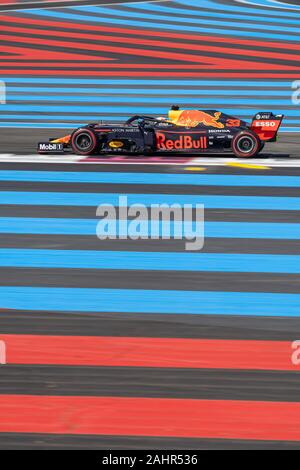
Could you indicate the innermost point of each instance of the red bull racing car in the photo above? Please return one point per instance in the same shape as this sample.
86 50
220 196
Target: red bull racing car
188 131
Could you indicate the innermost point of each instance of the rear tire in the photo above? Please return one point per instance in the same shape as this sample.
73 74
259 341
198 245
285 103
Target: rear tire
84 142
246 144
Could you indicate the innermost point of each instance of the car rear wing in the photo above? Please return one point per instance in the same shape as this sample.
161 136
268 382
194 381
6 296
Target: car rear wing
266 125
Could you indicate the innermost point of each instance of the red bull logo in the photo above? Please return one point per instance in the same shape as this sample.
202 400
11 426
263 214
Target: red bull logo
62 140
192 118
183 142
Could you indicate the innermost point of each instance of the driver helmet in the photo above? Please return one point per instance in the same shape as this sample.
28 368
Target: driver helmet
174 113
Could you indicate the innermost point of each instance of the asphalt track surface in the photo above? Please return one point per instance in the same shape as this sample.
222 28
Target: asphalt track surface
20 142
86 368
19 5
128 363
75 64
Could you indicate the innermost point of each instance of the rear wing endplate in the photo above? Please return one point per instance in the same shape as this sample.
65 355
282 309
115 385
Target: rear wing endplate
266 125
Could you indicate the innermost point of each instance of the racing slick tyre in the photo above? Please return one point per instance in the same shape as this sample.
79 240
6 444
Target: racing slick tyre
84 142
246 144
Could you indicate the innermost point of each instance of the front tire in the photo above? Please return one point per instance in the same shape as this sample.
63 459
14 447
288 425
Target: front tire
246 144
84 142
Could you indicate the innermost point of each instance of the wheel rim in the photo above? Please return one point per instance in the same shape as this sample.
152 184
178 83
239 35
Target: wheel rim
83 142
245 144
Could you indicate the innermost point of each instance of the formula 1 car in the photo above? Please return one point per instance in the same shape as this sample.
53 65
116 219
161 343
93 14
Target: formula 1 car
188 131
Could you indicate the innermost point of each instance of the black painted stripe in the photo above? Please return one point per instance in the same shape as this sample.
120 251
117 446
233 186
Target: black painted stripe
148 168
18 441
150 325
85 442
80 212
86 242
42 4
215 384
157 280
65 187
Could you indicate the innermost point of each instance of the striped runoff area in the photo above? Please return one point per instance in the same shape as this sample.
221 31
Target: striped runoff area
65 64
142 343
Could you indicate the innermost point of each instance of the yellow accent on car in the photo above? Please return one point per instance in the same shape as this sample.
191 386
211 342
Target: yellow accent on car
116 144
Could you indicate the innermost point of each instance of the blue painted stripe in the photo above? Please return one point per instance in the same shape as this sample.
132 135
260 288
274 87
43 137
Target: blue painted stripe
82 117
52 226
239 25
272 101
142 81
221 262
289 129
149 301
72 125
69 117
198 14
163 25
273 4
38 125
93 199
139 91
47 226
130 110
66 117
238 8
83 109
73 117
151 178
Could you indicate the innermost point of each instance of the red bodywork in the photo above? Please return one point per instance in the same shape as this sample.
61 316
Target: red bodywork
266 129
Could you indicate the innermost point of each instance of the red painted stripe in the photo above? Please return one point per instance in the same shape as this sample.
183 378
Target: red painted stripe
27 53
150 417
148 352
144 32
22 52
155 43
215 62
39 65
137 73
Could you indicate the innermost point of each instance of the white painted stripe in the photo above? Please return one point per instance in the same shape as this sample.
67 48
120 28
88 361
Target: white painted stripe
207 161
271 162
39 158
270 4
